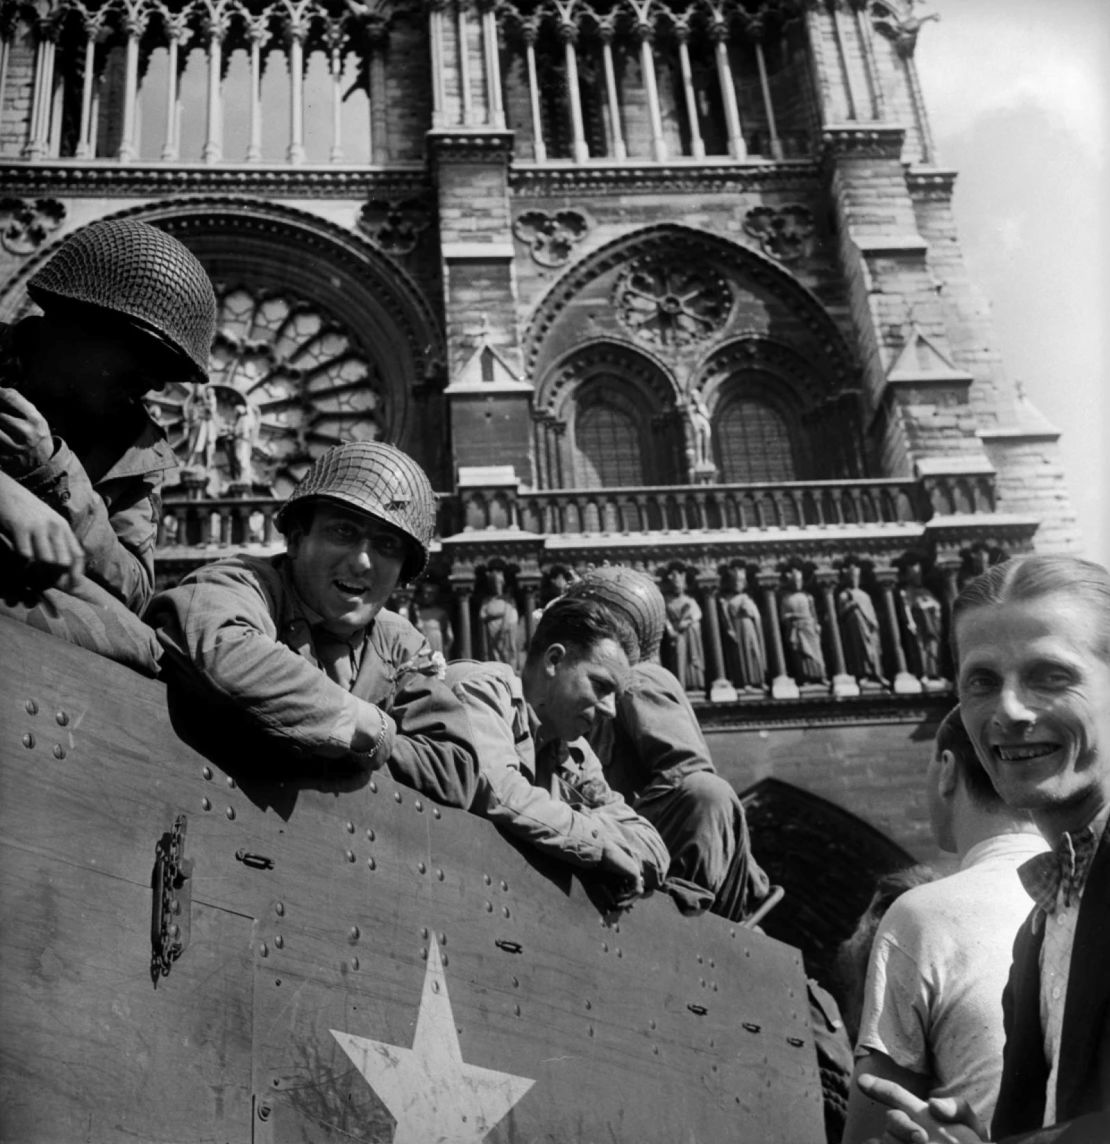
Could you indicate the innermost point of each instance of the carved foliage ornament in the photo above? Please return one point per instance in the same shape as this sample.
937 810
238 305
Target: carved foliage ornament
669 304
785 234
24 225
395 225
551 237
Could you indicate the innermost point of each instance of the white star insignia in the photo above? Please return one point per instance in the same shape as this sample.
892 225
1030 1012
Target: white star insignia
434 1095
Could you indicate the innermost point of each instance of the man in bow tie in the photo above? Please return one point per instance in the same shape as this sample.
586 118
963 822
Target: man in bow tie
1031 639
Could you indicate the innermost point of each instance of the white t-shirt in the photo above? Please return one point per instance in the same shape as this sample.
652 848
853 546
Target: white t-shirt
941 958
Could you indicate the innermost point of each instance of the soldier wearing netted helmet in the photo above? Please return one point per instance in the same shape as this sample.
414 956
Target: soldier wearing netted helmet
126 309
298 652
655 754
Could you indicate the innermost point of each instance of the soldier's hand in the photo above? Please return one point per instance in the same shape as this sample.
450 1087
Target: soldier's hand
629 874
25 438
37 534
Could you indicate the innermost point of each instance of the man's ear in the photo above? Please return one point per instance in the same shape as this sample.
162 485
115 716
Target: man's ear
949 773
553 655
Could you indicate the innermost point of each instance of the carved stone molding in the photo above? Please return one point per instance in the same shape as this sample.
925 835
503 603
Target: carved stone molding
24 224
856 142
670 304
785 233
931 185
92 180
465 146
551 236
395 225
662 178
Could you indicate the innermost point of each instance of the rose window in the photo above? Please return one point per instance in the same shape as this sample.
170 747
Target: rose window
287 382
671 305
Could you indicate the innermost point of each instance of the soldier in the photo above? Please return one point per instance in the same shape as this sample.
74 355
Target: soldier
655 754
299 648
538 777
126 309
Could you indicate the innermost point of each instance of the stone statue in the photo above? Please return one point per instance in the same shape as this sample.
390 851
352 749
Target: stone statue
859 627
433 620
801 630
683 652
924 621
202 428
699 432
499 619
241 439
742 631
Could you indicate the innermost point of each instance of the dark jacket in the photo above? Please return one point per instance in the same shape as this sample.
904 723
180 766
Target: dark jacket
1083 1085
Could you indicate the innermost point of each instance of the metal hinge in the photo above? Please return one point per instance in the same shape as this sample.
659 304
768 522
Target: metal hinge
169 919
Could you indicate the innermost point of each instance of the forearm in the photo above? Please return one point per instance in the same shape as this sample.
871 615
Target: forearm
866 1118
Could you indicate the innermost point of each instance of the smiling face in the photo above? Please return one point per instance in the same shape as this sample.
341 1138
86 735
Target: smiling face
572 689
345 566
1035 696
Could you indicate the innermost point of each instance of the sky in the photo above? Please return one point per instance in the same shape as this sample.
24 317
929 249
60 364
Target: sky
1018 93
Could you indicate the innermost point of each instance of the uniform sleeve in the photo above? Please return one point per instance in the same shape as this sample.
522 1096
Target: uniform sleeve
506 795
219 637
895 1013
118 541
656 718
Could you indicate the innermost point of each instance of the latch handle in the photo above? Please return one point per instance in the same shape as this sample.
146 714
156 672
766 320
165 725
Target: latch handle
171 900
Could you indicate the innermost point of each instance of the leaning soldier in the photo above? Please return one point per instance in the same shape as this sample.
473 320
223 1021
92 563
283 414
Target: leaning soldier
298 650
655 754
538 778
126 309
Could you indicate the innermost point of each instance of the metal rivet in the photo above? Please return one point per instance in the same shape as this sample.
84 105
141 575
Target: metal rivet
264 951
700 959
397 795
31 707
604 947
504 884
651 1023
230 812
279 909
589 1004
655 1049
590 1030
205 804
59 751
489 907
442 939
620 952
350 855
373 787
516 1010
516 982
487 879
264 1110
350 828
439 874
371 863
206 772
419 806
353 933
62 718
354 963
230 783
435 812
424 932
446 961
370 835
279 941
505 910
424 955
28 739
422 867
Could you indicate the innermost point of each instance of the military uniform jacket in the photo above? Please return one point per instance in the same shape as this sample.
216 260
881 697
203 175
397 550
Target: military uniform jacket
236 634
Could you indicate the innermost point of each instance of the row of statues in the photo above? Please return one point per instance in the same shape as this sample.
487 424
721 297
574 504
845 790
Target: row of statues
500 630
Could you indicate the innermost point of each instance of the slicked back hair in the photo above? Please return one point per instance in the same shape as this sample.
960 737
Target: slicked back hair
952 736
580 624
1032 577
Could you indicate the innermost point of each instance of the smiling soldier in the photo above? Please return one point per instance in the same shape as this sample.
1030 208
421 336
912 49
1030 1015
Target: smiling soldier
1032 644
300 649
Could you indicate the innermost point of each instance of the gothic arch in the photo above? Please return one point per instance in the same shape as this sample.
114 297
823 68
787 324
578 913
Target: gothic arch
553 323
826 859
330 280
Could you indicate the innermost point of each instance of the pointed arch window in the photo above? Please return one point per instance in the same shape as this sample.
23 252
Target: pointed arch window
608 452
754 443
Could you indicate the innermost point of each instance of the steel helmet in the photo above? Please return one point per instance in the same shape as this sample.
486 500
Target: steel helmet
135 270
634 594
377 479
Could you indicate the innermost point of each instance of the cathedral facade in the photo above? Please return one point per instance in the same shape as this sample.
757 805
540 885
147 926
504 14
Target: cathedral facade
671 283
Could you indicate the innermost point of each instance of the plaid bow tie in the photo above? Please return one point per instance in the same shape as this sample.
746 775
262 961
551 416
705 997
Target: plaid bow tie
1044 874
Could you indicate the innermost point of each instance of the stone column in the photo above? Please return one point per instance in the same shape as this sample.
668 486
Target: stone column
782 686
682 34
719 32
721 689
904 682
843 684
